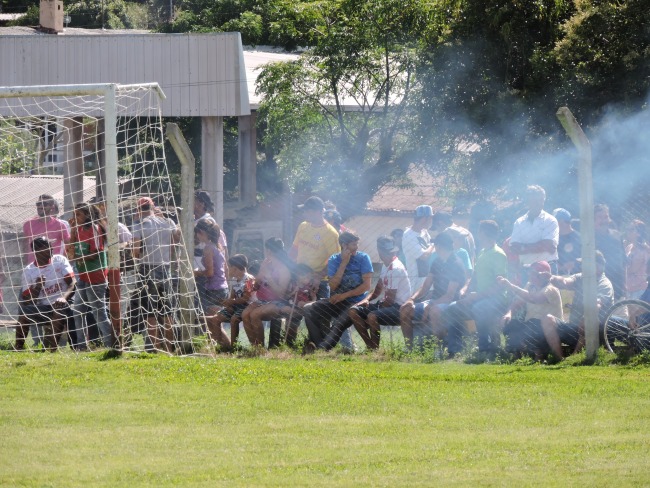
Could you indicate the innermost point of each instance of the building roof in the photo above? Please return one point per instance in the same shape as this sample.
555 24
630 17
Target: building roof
201 74
18 195
255 58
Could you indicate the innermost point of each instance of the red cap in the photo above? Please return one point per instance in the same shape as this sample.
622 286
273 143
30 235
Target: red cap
145 201
541 267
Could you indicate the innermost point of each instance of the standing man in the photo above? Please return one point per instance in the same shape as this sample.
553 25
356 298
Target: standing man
316 240
463 238
153 238
350 274
609 242
416 245
45 224
535 235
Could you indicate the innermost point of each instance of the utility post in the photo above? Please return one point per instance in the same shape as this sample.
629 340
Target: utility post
587 233
182 150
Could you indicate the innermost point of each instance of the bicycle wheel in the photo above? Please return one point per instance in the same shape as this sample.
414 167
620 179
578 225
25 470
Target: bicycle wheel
627 326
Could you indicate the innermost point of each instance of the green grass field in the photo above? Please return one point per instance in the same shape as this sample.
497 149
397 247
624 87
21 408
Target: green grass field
325 420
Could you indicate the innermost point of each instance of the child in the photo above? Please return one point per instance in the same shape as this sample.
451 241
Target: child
240 296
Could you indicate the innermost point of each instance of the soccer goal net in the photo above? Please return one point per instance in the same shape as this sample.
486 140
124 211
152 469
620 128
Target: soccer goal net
92 253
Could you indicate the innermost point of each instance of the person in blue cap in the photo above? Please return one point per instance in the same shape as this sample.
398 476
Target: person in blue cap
569 247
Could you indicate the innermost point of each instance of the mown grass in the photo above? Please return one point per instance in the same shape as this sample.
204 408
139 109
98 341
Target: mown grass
324 420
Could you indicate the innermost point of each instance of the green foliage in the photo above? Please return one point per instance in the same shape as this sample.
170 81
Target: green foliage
335 117
18 148
249 25
604 55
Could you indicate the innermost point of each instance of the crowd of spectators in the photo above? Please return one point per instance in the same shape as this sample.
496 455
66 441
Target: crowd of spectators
521 292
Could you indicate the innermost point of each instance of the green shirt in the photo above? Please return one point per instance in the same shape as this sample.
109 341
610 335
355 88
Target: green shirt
490 263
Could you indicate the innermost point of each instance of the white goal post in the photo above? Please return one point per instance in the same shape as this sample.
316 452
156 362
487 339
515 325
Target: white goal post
118 148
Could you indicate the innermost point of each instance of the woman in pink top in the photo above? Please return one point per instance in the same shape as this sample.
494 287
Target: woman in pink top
638 253
272 286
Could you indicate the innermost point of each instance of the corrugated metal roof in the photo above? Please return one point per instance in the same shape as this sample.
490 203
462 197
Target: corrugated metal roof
255 59
201 74
18 195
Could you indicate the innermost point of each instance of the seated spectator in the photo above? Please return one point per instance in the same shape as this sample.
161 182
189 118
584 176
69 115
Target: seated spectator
539 299
447 277
391 291
304 291
486 302
558 332
272 287
637 252
535 235
350 274
610 243
462 254
569 248
233 306
47 285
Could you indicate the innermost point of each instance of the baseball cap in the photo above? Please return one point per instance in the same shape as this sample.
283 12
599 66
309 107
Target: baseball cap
423 211
562 214
386 245
312 203
541 267
145 201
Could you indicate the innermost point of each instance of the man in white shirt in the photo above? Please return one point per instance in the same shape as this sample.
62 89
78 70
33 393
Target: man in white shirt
391 291
535 235
416 245
47 284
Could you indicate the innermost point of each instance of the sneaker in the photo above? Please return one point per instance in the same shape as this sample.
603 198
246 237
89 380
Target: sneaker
310 348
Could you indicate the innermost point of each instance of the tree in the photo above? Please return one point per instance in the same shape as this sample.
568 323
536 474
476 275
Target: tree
335 118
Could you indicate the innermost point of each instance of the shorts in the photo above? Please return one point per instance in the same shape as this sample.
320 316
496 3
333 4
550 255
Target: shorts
385 315
212 298
418 313
154 291
41 314
524 336
569 333
236 311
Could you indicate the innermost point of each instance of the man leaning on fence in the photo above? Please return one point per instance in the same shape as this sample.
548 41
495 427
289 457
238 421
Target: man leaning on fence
153 239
